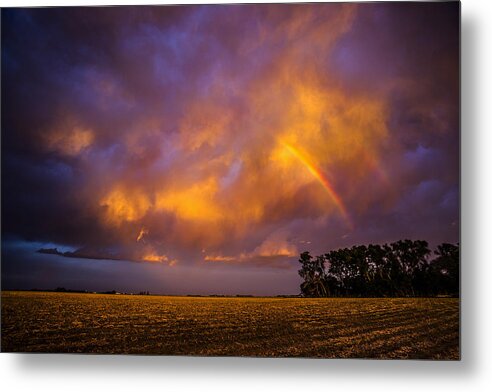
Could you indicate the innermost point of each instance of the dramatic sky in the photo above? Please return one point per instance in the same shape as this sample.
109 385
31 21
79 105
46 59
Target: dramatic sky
199 149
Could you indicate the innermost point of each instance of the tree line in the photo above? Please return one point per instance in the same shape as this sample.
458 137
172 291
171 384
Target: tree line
401 269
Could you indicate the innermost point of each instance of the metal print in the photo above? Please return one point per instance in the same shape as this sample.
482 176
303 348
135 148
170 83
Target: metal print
272 180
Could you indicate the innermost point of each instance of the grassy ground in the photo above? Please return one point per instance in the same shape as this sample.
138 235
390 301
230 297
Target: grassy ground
267 327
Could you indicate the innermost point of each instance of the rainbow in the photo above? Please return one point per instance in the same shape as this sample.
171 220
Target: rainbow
318 174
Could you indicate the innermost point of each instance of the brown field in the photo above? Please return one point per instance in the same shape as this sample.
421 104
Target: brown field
267 327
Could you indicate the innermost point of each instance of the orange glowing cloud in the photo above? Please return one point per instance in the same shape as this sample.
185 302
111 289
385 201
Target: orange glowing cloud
142 233
70 142
272 249
193 203
122 205
156 258
219 258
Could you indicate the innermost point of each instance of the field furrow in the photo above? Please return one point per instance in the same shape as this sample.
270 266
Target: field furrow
406 328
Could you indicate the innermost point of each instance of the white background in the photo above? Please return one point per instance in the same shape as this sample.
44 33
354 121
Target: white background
473 373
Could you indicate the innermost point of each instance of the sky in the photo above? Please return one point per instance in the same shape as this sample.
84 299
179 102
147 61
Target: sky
200 149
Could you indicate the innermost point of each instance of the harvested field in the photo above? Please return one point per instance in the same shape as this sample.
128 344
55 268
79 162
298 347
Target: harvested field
418 328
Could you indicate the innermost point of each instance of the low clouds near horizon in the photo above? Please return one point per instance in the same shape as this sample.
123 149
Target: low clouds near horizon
233 135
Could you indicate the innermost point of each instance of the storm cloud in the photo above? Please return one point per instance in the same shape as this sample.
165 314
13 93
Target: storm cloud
231 135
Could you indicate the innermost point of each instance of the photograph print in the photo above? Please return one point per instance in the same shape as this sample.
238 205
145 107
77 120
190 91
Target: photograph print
260 180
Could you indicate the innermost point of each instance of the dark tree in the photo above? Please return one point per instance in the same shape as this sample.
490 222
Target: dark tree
399 269
446 268
313 273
